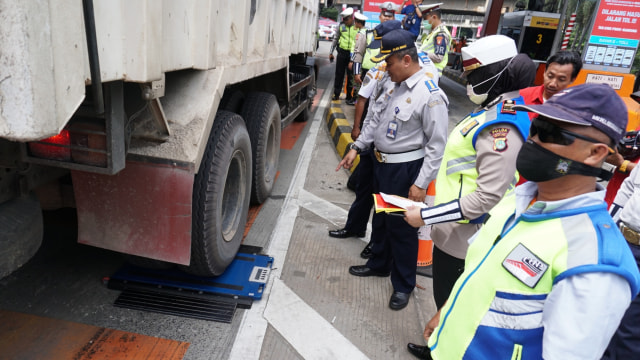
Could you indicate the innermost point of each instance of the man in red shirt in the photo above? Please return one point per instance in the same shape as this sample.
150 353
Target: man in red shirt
562 69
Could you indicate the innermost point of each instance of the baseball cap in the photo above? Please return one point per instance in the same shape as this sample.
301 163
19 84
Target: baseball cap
388 8
488 50
381 29
595 105
394 41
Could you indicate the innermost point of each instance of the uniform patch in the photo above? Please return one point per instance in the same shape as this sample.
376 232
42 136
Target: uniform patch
431 85
433 103
507 107
366 80
465 130
429 75
525 266
499 138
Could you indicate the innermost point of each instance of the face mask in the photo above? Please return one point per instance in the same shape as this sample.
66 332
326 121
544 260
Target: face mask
427 26
538 164
476 98
479 99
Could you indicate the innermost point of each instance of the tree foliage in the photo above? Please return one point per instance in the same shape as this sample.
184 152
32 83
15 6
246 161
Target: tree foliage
329 12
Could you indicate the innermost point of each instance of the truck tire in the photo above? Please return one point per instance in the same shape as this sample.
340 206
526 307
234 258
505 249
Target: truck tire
21 231
261 113
221 192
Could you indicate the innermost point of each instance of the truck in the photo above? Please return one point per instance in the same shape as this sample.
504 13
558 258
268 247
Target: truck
159 121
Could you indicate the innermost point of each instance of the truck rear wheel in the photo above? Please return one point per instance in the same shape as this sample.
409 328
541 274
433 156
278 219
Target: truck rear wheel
21 234
262 115
221 194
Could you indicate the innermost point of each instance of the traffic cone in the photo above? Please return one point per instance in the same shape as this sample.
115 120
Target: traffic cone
425 244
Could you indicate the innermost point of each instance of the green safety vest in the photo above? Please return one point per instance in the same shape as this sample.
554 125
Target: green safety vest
495 307
457 174
369 53
347 37
429 45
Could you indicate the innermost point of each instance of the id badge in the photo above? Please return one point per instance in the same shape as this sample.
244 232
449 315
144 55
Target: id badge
392 130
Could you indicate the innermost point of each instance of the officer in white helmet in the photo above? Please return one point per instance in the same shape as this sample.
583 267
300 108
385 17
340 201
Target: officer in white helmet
479 163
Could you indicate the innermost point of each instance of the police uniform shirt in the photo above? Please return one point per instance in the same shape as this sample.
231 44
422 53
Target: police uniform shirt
360 46
628 196
441 40
417 109
496 166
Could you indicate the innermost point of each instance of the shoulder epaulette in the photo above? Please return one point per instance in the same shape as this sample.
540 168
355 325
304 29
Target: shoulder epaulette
431 85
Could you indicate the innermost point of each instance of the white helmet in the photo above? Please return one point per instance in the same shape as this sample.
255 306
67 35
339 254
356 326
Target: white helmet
488 50
360 16
347 12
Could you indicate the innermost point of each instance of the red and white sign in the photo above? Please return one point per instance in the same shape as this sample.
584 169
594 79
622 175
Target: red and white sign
618 19
374 5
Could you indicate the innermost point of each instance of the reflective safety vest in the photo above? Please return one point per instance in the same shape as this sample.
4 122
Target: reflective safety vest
347 37
430 45
495 308
457 174
366 61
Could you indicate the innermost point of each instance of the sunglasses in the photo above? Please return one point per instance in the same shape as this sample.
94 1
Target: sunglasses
549 133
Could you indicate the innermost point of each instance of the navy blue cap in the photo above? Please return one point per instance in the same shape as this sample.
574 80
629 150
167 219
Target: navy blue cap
394 41
381 29
595 105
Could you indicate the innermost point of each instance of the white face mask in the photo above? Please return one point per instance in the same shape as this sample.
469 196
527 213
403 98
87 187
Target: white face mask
477 99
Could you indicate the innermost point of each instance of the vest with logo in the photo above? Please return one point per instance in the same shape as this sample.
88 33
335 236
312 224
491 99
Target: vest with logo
457 174
369 53
511 268
430 45
347 37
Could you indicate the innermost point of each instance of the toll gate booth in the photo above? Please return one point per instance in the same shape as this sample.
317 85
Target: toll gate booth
533 32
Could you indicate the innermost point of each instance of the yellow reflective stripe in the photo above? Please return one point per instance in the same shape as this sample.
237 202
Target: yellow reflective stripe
517 352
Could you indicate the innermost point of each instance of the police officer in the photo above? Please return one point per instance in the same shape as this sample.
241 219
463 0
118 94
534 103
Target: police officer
362 53
548 276
343 40
360 209
408 127
361 37
479 163
437 42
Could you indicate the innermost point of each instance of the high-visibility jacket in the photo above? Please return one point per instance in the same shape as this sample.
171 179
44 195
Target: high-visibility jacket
457 174
495 309
347 38
431 43
369 53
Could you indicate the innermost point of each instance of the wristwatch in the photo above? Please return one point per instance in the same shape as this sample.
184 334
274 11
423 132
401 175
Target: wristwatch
353 146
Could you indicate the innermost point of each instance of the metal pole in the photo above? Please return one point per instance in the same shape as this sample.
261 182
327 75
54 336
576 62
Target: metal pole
561 27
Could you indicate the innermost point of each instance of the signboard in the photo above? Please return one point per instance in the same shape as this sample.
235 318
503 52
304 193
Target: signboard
614 81
614 37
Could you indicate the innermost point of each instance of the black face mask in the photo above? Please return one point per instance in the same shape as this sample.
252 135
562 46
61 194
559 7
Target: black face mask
538 164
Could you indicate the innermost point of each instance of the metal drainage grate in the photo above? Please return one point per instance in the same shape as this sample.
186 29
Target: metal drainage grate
186 305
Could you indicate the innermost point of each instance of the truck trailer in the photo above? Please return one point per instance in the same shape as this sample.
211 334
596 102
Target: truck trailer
159 121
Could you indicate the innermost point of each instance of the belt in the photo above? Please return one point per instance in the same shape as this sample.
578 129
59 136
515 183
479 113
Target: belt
631 235
399 157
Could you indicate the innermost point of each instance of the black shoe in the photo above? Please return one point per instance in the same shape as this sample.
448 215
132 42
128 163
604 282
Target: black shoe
344 233
419 351
399 300
350 102
335 97
364 271
366 252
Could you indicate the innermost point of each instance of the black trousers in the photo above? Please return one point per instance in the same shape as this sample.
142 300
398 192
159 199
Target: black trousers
446 271
361 207
394 241
342 68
